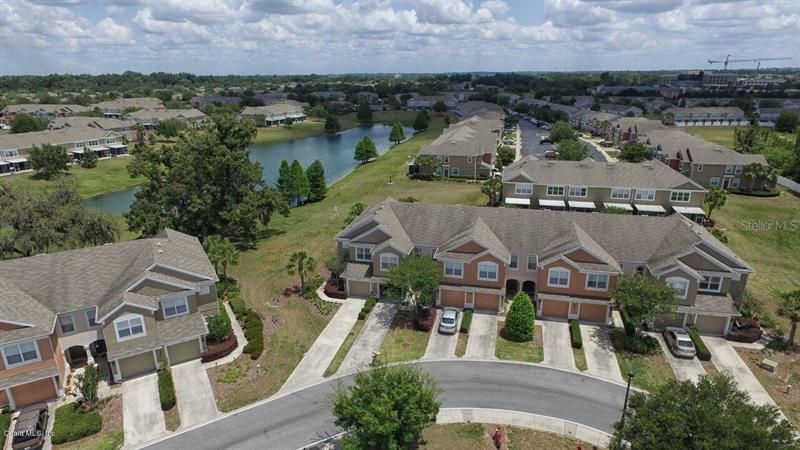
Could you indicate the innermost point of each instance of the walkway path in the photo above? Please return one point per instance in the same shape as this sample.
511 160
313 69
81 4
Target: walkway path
684 369
482 336
600 357
322 352
442 345
369 341
142 419
557 345
726 360
196 402
240 341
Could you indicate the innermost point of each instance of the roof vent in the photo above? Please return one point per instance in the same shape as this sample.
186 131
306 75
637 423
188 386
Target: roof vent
649 166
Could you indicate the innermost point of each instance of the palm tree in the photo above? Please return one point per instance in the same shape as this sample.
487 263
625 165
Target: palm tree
221 251
753 171
301 264
790 308
492 188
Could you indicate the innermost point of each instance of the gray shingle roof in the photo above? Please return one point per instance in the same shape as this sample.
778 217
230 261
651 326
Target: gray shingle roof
105 123
30 108
64 136
123 103
181 328
472 136
701 151
164 114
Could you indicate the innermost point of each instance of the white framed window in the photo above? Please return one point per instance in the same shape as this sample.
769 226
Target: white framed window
531 263
204 290
514 261
597 281
80 145
714 181
699 167
578 191
175 307
439 159
554 191
620 194
487 271
738 169
91 318
66 323
455 171
110 140
523 188
9 153
710 283
446 159
729 169
388 260
454 269
734 183
681 286
558 277
647 195
363 254
93 143
20 354
680 196
129 327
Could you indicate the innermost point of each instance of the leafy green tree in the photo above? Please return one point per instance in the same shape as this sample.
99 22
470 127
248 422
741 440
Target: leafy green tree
506 155
421 121
364 113
572 150
25 123
221 251
759 173
319 111
89 159
397 134
439 106
301 187
49 160
170 128
386 407
284 182
204 184
492 188
634 152
415 280
520 319
288 122
302 265
643 298
87 386
562 131
332 125
790 308
787 121
715 198
426 164
712 414
365 150
354 212
315 174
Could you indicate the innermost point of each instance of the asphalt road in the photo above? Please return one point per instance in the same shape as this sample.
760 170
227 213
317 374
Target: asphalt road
303 418
531 134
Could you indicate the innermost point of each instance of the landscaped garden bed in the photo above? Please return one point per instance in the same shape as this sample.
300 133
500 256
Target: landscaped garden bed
73 423
404 342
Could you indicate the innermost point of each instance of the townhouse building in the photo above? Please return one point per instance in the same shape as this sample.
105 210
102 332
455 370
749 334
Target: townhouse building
426 102
568 262
630 129
201 101
117 108
276 113
41 111
465 149
648 188
125 307
150 118
698 116
125 127
621 110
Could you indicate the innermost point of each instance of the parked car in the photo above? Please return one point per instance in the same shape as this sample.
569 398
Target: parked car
545 140
31 427
550 154
545 127
449 322
679 342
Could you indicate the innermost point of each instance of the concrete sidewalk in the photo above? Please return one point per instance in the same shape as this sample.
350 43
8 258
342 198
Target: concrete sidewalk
142 418
196 402
370 339
726 360
557 344
683 368
600 357
322 352
482 337
442 345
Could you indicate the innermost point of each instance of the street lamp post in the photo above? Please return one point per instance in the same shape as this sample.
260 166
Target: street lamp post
627 390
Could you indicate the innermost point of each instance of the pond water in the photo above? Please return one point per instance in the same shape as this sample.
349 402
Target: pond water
335 153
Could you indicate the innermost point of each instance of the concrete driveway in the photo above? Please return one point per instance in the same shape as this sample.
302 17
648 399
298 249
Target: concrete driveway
482 336
557 344
369 341
196 401
684 369
442 345
600 357
142 419
726 360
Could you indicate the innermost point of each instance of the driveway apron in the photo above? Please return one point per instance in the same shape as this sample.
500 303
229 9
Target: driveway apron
370 339
142 418
557 344
600 357
442 345
684 369
193 391
482 336
726 360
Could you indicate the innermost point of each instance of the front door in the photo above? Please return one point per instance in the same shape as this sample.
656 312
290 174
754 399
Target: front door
469 301
726 182
574 310
446 172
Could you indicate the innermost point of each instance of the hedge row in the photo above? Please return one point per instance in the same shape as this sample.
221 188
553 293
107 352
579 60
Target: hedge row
575 334
703 354
367 308
238 307
466 321
254 333
73 423
166 388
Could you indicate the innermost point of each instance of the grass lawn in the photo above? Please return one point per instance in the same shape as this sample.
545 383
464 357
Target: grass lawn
650 370
722 135
788 372
520 351
110 436
461 344
477 436
580 359
5 421
403 342
348 342
172 418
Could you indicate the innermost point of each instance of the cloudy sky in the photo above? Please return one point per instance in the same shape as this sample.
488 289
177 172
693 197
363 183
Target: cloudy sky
339 36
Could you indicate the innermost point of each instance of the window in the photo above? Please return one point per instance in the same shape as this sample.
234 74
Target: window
93 143
680 196
204 290
175 307
20 354
647 195
80 145
710 284
387 261
734 183
620 194
439 159
523 188
129 327
680 285
738 170
555 190
110 140
714 181
446 159
454 269
699 167
455 171
729 169
9 153
558 278
514 262
531 263
363 254
487 271
91 319
66 323
577 191
597 281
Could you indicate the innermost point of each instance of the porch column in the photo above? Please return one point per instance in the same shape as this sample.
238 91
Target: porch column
727 325
115 372
203 346
10 397
166 355
59 389
155 358
89 357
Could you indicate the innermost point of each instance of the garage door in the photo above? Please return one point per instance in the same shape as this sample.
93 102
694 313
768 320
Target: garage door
668 320
359 289
137 365
185 351
487 302
592 313
711 324
452 298
38 391
555 309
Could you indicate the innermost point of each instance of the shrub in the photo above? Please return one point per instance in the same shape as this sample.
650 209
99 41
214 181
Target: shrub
642 344
768 321
88 386
630 328
219 326
166 387
719 234
575 334
5 421
227 287
311 287
238 307
703 354
466 321
520 319
254 332
367 308
425 319
220 349
72 423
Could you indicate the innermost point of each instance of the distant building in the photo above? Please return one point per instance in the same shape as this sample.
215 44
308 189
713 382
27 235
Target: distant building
40 111
124 127
426 102
200 102
275 114
117 108
704 116
149 118
760 82
465 149
622 110
483 109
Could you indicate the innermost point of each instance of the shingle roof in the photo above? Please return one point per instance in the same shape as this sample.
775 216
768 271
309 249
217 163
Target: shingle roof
164 114
472 136
30 108
63 136
275 108
700 150
136 102
181 327
105 123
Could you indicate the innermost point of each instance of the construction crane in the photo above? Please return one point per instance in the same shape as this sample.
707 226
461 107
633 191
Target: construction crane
729 60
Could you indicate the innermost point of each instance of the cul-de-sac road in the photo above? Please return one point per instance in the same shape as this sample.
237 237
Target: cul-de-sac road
304 417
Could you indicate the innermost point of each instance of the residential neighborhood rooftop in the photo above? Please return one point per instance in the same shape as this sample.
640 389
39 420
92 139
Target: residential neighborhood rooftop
54 137
472 136
676 144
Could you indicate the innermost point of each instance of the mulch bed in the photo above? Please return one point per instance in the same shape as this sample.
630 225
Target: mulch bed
404 320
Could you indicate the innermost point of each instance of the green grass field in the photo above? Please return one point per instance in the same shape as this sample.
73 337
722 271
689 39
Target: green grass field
532 351
721 135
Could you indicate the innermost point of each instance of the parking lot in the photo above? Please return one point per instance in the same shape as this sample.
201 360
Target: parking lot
532 134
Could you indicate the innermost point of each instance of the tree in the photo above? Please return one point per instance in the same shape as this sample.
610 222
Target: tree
87 386
354 212
759 173
712 414
319 111
787 121
439 106
561 131
301 264
89 159
644 297
49 160
506 154
715 198
221 251
397 134
315 174
25 123
300 186
421 121
170 128
364 114
415 280
426 164
520 319
284 182
634 152
332 125
365 150
336 266
790 308
288 122
492 188
204 184
386 407
572 150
